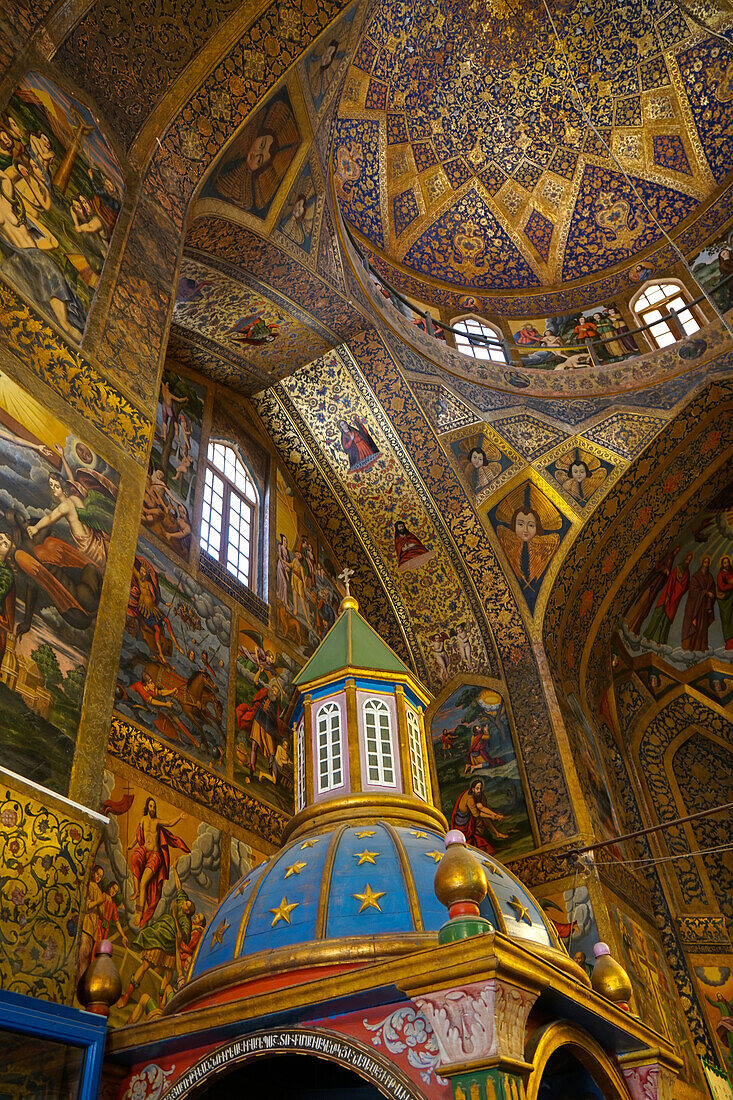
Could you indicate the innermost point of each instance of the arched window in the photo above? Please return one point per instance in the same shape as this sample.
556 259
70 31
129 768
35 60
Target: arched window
417 763
470 327
380 757
229 515
653 304
328 725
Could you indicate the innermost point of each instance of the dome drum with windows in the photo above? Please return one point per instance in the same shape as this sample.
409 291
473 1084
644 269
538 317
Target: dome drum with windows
355 880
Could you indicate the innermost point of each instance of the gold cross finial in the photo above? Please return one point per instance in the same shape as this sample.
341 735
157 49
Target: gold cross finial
346 576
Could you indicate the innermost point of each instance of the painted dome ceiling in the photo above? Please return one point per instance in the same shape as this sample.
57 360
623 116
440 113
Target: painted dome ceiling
476 149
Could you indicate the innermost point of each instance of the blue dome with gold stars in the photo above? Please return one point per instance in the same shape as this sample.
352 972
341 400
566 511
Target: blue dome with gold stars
361 881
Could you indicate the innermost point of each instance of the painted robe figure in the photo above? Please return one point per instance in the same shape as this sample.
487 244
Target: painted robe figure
653 585
150 859
360 448
724 592
699 609
410 551
472 816
669 601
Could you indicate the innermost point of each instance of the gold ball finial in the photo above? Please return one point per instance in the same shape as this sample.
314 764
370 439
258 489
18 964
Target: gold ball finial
609 977
100 984
349 603
460 880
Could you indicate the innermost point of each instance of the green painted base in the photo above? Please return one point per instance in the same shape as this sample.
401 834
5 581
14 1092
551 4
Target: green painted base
462 928
487 1084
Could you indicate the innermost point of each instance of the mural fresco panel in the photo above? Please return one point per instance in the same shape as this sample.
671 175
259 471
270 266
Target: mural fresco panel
478 773
62 190
174 667
263 741
306 590
57 502
713 265
171 481
153 890
715 983
559 343
683 612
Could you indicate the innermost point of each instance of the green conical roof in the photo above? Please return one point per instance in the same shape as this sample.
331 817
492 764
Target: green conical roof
351 642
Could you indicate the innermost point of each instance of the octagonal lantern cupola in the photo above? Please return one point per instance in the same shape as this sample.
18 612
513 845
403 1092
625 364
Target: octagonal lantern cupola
359 729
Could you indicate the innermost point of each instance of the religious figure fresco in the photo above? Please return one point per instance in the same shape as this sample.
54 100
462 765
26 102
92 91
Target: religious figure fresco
580 474
530 529
263 739
655 998
307 592
357 443
559 343
57 502
571 911
174 667
154 888
713 266
61 190
297 219
478 774
168 501
715 983
256 162
481 462
410 551
591 773
684 608
327 58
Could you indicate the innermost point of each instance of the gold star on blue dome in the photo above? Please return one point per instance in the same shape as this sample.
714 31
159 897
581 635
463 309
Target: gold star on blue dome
370 898
219 931
366 857
309 843
435 854
521 910
283 911
295 868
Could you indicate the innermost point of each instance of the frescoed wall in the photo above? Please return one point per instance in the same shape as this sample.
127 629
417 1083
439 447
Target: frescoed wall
168 504
263 748
715 982
327 60
254 166
154 887
174 670
571 911
530 529
713 266
684 608
306 590
559 343
484 460
478 772
655 999
62 190
591 772
57 502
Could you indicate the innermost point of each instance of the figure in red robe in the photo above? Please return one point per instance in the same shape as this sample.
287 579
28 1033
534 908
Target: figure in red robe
408 548
150 859
699 609
677 584
725 599
360 448
653 585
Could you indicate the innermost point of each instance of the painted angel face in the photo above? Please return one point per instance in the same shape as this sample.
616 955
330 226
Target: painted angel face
525 526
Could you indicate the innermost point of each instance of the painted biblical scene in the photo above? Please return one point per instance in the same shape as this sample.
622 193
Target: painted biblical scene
478 772
297 221
715 986
654 992
530 529
591 773
263 747
560 343
571 911
482 463
683 611
153 890
242 858
254 165
57 502
307 592
61 190
174 667
171 481
713 269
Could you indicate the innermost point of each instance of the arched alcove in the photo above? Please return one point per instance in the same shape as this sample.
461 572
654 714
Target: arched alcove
568 1062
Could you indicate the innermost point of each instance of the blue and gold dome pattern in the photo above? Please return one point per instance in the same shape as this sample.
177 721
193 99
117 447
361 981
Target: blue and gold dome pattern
364 880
